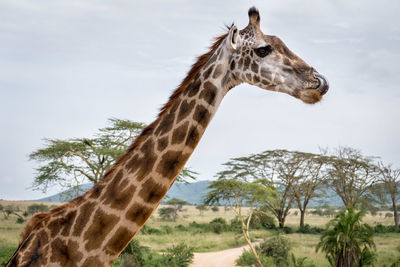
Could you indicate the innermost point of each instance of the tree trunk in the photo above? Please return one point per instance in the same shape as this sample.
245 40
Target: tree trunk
302 213
395 212
281 221
252 248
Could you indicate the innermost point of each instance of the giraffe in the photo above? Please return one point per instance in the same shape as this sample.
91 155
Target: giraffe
94 228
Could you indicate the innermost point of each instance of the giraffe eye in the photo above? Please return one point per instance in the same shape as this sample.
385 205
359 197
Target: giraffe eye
263 51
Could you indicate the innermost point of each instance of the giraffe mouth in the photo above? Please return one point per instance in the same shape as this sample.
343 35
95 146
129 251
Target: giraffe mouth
323 84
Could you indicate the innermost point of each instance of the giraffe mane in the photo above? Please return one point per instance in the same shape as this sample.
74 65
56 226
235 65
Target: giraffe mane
196 67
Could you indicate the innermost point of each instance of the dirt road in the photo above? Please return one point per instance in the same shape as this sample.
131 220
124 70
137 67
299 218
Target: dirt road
224 258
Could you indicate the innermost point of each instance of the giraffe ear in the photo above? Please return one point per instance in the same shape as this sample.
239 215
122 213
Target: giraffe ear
233 38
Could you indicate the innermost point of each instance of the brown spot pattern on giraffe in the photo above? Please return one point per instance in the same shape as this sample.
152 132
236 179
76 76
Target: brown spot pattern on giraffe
254 67
118 194
202 115
248 76
138 213
170 164
179 133
84 214
152 191
143 165
65 255
165 124
119 241
34 256
100 226
207 73
193 137
209 92
185 108
246 63
96 190
217 71
162 143
193 88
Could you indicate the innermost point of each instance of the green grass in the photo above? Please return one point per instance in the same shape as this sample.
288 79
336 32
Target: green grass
303 245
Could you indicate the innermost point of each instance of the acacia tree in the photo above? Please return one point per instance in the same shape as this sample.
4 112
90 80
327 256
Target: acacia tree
390 178
353 177
238 193
72 162
280 168
310 182
176 205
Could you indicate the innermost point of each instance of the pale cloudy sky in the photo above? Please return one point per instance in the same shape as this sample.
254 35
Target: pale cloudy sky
67 66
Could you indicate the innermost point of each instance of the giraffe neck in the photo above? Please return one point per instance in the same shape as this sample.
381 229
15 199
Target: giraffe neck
93 229
150 168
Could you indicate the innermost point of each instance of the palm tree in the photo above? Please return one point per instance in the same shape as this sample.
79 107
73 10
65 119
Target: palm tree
347 242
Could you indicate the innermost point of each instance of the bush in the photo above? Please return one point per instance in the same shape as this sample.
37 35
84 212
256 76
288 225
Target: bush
307 229
181 227
287 230
388 215
20 220
179 256
35 208
148 230
382 229
218 225
137 255
166 213
277 247
215 209
247 259
166 229
261 220
300 262
216 228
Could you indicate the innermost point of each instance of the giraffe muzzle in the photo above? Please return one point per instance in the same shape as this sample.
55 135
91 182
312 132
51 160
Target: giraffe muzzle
323 84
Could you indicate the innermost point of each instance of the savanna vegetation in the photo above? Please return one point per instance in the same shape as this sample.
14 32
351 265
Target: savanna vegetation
261 200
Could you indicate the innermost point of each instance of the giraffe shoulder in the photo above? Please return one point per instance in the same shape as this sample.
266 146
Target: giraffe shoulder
31 224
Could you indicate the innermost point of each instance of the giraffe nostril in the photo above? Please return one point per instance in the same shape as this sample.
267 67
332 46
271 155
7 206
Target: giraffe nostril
323 83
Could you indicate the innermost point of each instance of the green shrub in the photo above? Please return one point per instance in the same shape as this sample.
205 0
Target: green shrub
166 229
218 225
236 225
219 220
137 255
247 259
179 256
148 230
261 220
181 227
215 209
300 262
277 247
382 229
20 220
34 208
307 229
287 230
216 228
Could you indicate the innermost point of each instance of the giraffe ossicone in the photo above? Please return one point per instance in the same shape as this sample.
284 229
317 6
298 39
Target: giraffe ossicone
94 228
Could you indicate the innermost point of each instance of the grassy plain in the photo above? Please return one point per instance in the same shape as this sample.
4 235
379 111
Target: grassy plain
303 245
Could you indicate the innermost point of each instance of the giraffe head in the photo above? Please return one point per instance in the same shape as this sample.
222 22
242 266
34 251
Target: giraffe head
265 61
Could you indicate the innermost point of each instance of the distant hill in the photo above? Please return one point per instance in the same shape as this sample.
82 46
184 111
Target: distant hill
191 193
